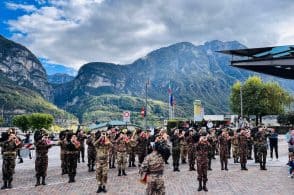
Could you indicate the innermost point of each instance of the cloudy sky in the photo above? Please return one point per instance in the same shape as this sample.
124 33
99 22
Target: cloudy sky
74 32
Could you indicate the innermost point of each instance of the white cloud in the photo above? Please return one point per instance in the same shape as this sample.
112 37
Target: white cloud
73 32
16 6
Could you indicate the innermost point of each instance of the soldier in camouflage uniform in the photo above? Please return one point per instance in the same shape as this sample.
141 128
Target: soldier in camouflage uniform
9 144
235 147
242 142
102 146
142 143
153 166
184 148
132 149
191 140
223 150
122 143
91 151
42 144
72 149
202 149
210 151
261 137
175 139
249 148
61 143
112 151
81 137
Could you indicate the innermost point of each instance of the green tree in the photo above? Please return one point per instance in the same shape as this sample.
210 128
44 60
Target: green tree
259 98
286 119
40 120
1 120
22 122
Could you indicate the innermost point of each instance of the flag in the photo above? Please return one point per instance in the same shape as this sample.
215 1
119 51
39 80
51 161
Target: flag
169 88
171 100
143 112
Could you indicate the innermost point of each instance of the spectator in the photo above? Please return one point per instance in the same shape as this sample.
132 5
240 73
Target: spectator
290 141
291 166
273 141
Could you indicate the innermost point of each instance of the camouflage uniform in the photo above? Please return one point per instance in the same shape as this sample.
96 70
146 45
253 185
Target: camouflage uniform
249 148
62 145
261 137
102 154
175 139
141 148
202 149
121 148
132 152
91 151
184 149
112 151
153 165
235 147
243 140
210 151
41 163
9 149
191 152
71 157
81 139
223 152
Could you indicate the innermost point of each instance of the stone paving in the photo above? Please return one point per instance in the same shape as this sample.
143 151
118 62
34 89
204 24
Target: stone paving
234 181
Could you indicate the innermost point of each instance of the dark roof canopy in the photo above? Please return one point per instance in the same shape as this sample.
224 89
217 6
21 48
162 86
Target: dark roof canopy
276 61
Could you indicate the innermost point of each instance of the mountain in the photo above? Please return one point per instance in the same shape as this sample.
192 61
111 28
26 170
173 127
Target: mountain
52 69
59 78
195 72
16 99
21 66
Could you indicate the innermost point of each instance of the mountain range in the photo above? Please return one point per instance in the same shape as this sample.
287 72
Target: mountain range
101 91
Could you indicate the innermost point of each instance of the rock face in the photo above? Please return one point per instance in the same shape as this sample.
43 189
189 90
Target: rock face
59 78
21 66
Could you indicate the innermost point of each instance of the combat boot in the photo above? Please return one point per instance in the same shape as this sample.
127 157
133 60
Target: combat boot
200 186
119 172
38 181
89 168
204 186
130 164
222 166
244 166
43 180
99 189
184 161
113 165
104 189
124 173
209 165
4 185
226 166
133 164
83 160
264 168
193 168
20 161
261 166
109 164
9 184
92 168
190 167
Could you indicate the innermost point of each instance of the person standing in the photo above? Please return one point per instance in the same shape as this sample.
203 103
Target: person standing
175 139
122 144
132 149
243 144
262 147
9 144
62 144
142 143
112 151
42 144
81 137
210 151
91 151
102 146
184 147
153 166
223 149
202 148
72 149
273 141
191 141
235 147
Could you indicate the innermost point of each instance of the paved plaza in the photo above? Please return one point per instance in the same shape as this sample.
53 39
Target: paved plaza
234 181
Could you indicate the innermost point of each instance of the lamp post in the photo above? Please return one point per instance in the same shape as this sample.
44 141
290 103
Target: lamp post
241 101
146 93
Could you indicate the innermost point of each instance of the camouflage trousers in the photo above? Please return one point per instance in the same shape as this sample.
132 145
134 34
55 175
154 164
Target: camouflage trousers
202 166
223 155
81 153
176 155
122 160
102 172
235 149
112 155
63 163
184 152
8 167
155 185
41 165
141 156
243 155
71 161
261 154
91 156
191 155
132 155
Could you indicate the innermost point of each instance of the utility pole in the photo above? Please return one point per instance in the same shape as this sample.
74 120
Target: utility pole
241 101
146 93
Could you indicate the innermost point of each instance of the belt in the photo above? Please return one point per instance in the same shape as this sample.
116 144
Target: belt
156 172
9 153
71 152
